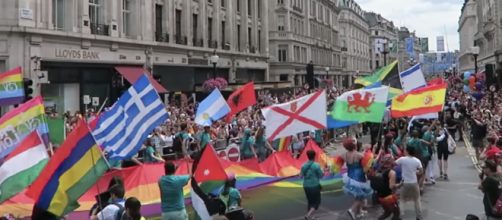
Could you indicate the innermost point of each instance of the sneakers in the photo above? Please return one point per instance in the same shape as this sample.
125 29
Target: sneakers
351 214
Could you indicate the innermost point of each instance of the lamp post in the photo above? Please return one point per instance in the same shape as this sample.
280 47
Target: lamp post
214 61
475 53
327 71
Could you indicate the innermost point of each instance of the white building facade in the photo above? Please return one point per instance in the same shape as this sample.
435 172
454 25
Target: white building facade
383 40
71 48
302 31
355 41
467 28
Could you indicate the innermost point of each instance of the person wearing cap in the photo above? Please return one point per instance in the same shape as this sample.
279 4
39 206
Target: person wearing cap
386 195
247 145
490 186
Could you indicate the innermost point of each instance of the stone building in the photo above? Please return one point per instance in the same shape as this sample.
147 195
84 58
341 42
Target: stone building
383 40
408 52
355 41
467 28
302 31
72 48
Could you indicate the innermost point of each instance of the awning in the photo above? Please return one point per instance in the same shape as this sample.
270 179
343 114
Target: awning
133 73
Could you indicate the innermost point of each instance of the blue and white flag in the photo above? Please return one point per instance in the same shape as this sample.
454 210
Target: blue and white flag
412 78
429 116
211 109
123 128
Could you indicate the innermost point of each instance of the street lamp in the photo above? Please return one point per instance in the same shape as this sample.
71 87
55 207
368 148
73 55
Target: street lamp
214 61
475 53
327 71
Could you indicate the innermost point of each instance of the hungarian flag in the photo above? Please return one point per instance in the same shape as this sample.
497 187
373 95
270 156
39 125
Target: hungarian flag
241 99
209 167
362 105
420 101
22 166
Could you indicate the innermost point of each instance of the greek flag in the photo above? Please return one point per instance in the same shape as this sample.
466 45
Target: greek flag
123 128
212 108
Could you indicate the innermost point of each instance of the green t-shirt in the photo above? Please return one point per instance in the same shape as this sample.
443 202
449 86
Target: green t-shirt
232 199
171 192
312 173
415 143
246 145
205 138
149 151
425 148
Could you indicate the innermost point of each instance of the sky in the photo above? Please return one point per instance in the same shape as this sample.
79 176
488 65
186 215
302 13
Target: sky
429 18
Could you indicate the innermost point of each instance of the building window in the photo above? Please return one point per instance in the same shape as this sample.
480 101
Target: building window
238 6
250 41
296 51
223 43
250 7
259 8
283 77
210 30
280 23
280 2
126 16
94 11
376 33
179 38
222 3
195 25
210 1
58 14
282 53
238 35
158 23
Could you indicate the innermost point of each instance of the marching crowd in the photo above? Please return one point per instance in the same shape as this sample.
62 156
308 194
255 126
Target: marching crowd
408 154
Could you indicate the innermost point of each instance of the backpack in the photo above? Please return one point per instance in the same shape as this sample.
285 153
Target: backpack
120 212
377 182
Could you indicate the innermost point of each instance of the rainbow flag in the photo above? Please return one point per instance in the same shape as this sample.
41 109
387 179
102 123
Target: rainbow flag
429 99
11 87
20 122
75 167
284 143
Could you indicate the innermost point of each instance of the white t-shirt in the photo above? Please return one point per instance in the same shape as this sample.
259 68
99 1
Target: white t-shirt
110 211
409 166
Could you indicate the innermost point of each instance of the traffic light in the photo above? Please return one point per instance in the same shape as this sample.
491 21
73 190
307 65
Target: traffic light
28 91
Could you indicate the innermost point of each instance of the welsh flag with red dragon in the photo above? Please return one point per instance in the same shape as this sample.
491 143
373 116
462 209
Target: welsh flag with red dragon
362 105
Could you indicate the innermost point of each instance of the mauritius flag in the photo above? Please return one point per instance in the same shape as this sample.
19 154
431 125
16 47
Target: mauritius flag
362 105
11 87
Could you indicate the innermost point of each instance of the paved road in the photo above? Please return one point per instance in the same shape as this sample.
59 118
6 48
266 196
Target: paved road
445 200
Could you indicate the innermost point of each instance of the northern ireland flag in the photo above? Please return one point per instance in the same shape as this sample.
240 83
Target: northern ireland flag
304 114
22 166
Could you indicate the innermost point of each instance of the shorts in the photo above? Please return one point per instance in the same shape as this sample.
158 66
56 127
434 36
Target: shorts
410 192
425 161
313 195
478 143
443 153
175 215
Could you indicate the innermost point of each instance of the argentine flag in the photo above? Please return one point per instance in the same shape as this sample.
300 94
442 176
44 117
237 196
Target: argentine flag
211 109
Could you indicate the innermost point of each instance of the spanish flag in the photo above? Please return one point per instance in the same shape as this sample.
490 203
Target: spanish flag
419 101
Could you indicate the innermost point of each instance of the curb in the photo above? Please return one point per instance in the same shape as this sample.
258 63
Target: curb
471 151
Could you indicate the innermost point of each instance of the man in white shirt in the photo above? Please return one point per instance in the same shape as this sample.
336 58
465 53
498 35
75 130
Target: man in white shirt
411 167
113 209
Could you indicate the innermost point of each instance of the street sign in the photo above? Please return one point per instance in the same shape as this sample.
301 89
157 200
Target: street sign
95 101
233 154
87 100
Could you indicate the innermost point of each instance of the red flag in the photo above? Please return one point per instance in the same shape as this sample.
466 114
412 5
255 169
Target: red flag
209 167
436 81
240 100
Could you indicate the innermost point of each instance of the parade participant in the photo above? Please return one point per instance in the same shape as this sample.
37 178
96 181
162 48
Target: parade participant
311 173
171 194
115 208
150 154
425 152
411 168
230 195
247 145
443 152
355 180
132 210
490 185
386 190
479 132
205 138
261 145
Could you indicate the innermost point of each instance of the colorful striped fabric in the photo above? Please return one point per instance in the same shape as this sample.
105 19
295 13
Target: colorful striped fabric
11 87
20 122
76 166
284 143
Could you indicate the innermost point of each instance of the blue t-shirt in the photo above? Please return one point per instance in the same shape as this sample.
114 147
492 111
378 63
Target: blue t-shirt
312 173
171 192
